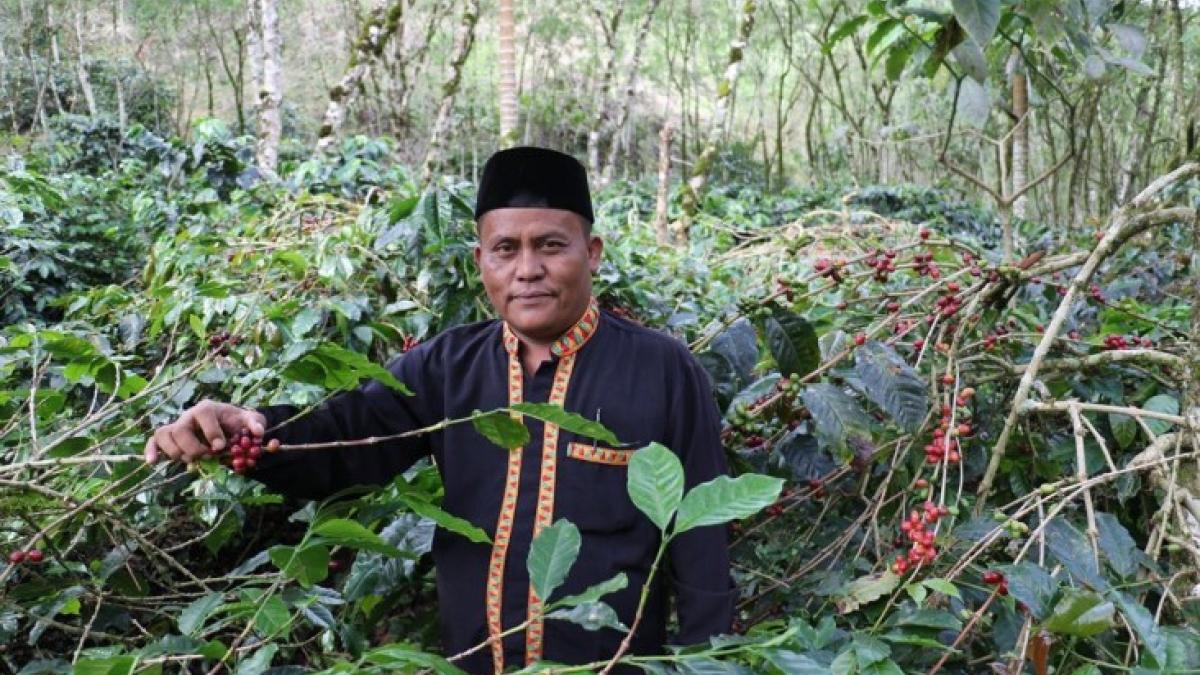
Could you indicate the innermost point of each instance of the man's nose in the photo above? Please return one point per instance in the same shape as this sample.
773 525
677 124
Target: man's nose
529 265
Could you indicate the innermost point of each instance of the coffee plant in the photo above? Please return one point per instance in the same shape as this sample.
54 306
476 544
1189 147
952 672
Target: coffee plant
942 463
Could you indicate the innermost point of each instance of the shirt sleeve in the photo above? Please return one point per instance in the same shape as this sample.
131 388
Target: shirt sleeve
698 559
372 409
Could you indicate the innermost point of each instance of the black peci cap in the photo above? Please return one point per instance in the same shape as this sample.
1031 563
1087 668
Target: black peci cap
528 176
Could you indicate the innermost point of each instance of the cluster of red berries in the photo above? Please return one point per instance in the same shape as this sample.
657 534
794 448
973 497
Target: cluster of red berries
410 343
989 340
948 304
994 578
828 268
1098 296
883 266
33 555
245 448
220 342
924 265
1115 341
941 447
817 486
916 528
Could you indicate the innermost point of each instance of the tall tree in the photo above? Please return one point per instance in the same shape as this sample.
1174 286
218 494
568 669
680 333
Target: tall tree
463 42
693 189
508 75
373 37
626 101
270 93
610 28
1020 132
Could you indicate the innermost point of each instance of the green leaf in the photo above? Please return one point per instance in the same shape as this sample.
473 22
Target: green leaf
1116 544
273 618
445 520
793 343
1124 429
1074 551
1143 624
868 589
723 499
1031 585
309 565
941 586
567 421
936 619
882 30
1163 403
192 618
979 17
595 592
837 416
353 534
792 663
655 483
394 656
258 663
1081 614
849 27
898 57
501 429
336 368
591 616
892 384
113 665
551 555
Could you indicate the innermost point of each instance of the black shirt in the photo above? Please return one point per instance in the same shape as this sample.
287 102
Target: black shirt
643 385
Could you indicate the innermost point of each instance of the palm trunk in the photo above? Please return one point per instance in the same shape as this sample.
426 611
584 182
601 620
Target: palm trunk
508 74
462 49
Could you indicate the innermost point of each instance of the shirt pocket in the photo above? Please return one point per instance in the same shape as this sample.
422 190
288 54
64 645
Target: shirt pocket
599 454
592 492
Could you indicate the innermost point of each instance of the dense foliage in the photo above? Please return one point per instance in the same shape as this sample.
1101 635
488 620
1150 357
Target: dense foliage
864 343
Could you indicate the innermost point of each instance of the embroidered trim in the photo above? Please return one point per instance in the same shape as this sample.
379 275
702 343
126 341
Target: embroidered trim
600 455
565 348
508 509
534 634
572 340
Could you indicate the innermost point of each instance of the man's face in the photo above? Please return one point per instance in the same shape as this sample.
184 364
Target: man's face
537 267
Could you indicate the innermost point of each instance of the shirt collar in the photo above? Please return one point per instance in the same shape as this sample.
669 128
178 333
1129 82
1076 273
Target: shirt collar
570 341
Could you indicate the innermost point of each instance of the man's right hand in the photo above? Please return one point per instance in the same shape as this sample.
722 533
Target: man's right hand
200 429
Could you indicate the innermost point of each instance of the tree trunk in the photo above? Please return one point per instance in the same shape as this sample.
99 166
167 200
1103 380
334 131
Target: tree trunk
693 189
1020 135
254 48
627 100
270 95
462 49
85 83
661 231
373 37
603 96
508 73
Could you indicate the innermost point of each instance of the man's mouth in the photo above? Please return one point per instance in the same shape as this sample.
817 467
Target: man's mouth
535 295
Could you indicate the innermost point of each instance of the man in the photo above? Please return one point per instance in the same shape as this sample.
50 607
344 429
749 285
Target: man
536 255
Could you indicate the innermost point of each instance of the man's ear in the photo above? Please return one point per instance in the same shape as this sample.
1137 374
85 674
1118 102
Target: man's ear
478 251
595 251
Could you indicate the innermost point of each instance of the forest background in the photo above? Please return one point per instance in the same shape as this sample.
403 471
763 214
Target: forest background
938 259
